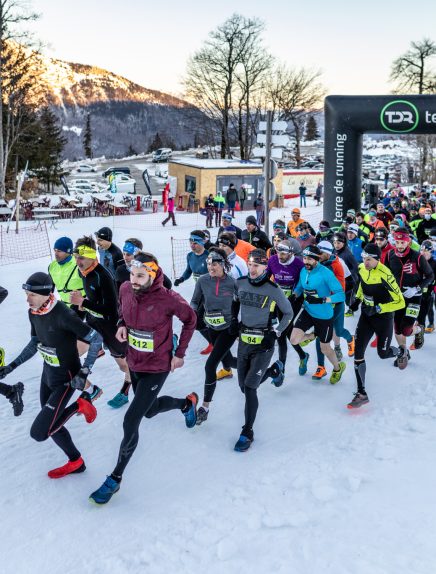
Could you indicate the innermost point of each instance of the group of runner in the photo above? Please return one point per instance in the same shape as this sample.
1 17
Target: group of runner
297 288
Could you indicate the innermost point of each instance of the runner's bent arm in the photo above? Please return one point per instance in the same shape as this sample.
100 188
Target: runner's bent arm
285 307
182 310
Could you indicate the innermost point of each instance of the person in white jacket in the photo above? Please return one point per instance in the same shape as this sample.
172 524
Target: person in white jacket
227 242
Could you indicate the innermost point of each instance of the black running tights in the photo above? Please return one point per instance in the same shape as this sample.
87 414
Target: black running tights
145 403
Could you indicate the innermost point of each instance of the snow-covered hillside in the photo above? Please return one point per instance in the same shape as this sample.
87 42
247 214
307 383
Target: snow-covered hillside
321 491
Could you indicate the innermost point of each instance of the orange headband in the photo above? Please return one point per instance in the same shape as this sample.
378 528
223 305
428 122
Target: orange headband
150 266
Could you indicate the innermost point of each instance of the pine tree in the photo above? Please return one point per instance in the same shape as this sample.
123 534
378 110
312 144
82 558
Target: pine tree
311 129
48 157
87 137
156 143
131 150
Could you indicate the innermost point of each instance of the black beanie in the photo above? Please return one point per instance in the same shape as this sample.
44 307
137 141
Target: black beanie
104 233
251 219
372 250
40 283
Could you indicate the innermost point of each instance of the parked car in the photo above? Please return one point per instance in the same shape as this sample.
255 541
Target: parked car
161 154
118 169
85 167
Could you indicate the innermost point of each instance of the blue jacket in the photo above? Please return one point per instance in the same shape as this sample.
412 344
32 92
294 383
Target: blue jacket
355 247
195 265
323 282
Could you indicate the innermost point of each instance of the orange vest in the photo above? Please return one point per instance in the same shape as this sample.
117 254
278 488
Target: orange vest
243 249
292 226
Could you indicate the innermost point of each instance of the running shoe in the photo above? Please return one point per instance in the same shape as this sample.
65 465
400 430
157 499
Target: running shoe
72 467
359 399
319 373
336 375
103 494
402 359
86 408
207 350
96 393
243 444
351 346
277 373
307 341
418 343
224 374
429 329
202 415
16 398
302 366
190 410
118 401
349 313
338 353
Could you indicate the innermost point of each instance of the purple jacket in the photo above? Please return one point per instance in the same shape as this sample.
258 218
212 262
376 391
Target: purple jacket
153 312
286 276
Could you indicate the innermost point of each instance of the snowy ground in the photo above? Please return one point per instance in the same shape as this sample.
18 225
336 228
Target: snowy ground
322 490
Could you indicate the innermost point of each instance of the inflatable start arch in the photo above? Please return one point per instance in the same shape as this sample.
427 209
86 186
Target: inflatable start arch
347 118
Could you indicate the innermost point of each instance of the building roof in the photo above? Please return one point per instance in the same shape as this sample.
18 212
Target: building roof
216 163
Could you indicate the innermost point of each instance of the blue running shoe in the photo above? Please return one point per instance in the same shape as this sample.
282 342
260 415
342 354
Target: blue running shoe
105 492
119 400
243 443
302 367
277 373
96 393
191 410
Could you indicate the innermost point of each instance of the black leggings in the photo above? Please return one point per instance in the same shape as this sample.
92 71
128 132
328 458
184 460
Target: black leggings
380 325
222 342
425 308
54 414
145 403
5 390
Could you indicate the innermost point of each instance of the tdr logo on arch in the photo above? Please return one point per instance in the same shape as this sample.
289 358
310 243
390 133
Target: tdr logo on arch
399 116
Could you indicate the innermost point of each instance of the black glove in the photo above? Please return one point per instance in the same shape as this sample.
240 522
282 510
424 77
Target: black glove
7 370
370 310
268 340
313 299
234 327
355 305
79 381
178 281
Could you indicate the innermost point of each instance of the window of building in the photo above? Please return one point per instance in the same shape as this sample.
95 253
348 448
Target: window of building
190 184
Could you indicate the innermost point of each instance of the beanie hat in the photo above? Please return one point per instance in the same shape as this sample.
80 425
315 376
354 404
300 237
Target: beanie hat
296 211
354 228
372 250
40 283
104 233
312 251
325 247
251 219
324 224
64 244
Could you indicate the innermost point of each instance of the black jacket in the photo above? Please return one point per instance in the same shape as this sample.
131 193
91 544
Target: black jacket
412 270
101 300
258 238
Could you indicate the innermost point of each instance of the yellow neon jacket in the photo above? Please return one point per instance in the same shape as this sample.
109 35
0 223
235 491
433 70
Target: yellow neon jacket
378 287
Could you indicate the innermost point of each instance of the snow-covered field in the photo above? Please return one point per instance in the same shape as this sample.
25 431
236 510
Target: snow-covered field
321 491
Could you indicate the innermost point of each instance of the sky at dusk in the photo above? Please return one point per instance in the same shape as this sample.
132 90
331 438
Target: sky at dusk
149 42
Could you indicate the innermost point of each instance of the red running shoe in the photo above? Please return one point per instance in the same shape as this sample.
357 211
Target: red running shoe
374 343
87 409
72 467
208 350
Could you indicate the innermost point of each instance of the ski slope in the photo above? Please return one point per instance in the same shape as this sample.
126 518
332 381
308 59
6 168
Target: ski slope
322 490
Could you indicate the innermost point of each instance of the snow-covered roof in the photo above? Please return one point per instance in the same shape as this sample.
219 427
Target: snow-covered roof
216 163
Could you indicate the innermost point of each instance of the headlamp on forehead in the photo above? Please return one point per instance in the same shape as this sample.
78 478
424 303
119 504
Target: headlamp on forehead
259 259
283 249
215 258
150 267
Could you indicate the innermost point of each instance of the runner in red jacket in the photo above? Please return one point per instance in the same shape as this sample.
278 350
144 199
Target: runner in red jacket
146 311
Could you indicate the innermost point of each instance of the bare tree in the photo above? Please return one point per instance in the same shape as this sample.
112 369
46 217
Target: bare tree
212 73
412 72
291 94
15 76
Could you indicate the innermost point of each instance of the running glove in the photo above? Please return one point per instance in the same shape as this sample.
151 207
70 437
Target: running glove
371 310
411 292
7 370
314 299
178 281
79 381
